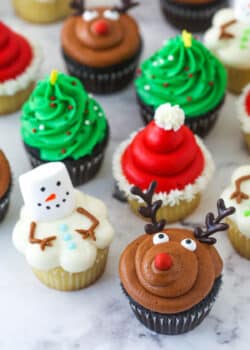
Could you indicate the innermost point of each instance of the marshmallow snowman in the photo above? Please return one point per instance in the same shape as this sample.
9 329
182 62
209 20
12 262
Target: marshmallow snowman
48 192
242 10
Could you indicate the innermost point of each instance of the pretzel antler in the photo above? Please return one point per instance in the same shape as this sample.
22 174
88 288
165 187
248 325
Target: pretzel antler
212 224
126 5
78 6
238 194
151 208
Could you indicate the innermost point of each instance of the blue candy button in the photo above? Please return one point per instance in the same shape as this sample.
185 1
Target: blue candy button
67 237
72 245
63 228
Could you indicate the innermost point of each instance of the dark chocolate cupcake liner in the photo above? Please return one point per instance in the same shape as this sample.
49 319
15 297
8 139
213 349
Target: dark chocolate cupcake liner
4 205
80 170
200 125
104 80
195 18
173 324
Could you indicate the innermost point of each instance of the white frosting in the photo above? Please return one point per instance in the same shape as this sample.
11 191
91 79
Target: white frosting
69 251
242 115
175 196
231 51
242 10
12 86
169 117
239 217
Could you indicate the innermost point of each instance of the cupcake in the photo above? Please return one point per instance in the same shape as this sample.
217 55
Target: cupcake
63 233
19 64
183 72
194 15
168 152
61 122
238 195
243 113
229 40
101 46
5 185
171 277
42 11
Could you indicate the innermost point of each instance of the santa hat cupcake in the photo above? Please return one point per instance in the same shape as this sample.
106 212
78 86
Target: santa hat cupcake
243 113
19 64
168 152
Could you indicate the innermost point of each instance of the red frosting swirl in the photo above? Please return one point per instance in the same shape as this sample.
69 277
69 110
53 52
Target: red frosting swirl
172 158
15 54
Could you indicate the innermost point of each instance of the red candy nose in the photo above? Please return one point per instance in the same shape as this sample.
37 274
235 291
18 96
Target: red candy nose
101 27
163 261
51 197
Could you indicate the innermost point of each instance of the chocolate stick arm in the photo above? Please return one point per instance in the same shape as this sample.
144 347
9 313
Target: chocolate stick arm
90 232
238 194
45 242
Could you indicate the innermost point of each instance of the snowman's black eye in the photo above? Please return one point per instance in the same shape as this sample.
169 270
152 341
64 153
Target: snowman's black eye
58 183
42 189
67 193
39 204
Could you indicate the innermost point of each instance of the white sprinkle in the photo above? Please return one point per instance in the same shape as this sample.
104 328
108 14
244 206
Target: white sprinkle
147 87
41 127
161 60
95 108
90 95
155 63
87 122
100 114
170 57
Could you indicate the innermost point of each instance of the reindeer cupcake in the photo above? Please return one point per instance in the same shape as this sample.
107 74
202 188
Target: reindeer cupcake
172 276
101 45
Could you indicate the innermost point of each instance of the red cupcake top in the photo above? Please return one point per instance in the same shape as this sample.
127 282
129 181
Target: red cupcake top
15 54
165 151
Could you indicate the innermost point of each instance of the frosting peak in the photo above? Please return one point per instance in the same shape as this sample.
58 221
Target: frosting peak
169 117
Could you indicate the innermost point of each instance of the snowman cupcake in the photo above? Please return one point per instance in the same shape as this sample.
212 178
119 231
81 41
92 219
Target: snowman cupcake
63 233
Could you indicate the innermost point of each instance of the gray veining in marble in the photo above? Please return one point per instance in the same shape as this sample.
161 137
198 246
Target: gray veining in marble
36 318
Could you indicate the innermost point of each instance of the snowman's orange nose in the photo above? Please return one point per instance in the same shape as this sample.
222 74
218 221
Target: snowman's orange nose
101 27
51 197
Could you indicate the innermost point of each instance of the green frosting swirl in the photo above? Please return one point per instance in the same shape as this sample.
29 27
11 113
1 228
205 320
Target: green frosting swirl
190 77
62 120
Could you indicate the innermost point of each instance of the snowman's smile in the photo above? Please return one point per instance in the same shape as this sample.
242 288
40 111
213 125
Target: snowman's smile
52 197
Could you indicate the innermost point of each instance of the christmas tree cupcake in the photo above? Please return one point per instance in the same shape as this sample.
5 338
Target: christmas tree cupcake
5 185
61 122
63 233
19 64
238 195
168 152
101 44
183 72
229 40
171 277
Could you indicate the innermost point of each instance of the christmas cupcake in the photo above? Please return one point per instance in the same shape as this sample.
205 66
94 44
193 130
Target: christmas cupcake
19 64
229 40
194 15
61 122
243 113
183 72
42 11
63 233
238 195
168 152
101 46
172 276
5 185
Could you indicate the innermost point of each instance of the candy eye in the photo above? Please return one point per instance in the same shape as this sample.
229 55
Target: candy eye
189 244
89 15
58 183
112 15
160 238
42 189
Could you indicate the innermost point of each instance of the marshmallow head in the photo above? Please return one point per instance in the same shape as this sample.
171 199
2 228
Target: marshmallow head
48 192
242 10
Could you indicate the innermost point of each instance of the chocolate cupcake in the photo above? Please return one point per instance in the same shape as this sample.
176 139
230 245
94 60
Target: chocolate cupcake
183 72
61 122
5 185
172 276
193 15
101 46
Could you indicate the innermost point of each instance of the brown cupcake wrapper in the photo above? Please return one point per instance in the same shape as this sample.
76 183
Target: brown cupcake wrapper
239 241
170 214
200 125
195 18
104 80
62 280
238 78
174 324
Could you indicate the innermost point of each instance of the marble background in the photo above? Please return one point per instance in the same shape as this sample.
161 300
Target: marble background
36 318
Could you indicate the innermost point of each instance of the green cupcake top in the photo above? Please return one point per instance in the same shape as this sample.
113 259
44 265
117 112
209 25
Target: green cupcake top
185 73
62 120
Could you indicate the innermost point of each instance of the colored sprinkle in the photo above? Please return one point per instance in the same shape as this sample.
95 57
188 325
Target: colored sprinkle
190 75
70 107
244 39
68 133
52 105
73 83
53 76
52 98
63 151
67 237
72 245
211 83
63 228
247 213
152 76
165 84
34 130
186 68
138 72
187 38
189 98
86 111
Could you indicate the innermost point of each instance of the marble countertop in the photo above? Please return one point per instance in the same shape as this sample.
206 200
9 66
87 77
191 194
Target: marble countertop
34 317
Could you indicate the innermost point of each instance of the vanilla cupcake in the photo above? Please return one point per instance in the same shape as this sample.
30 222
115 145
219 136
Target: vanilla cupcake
168 152
63 233
238 195
19 64
243 113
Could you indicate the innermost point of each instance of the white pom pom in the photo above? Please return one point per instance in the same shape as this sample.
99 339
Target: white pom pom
169 117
